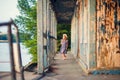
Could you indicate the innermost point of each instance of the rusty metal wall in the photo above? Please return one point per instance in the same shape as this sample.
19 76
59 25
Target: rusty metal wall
108 33
46 34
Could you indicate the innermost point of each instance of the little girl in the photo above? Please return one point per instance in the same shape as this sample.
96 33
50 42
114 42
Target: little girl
64 46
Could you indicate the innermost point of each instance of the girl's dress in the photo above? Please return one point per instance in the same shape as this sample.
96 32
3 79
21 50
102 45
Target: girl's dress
64 45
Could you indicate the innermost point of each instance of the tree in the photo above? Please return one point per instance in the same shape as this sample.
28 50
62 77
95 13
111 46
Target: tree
28 25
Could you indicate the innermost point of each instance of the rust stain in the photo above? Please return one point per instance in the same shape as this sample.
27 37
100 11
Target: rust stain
105 25
108 33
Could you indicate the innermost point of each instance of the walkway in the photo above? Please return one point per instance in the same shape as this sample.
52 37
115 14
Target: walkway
69 70
63 70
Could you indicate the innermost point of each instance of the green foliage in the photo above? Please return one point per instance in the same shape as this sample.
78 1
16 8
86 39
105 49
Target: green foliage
28 25
31 45
63 29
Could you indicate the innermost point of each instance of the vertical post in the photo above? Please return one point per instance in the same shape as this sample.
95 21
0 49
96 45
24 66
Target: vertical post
13 77
52 34
45 32
19 55
40 36
92 33
55 34
51 31
72 33
77 30
48 31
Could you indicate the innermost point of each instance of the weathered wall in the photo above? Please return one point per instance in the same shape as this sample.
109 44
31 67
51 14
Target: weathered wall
46 34
95 39
74 36
83 35
108 33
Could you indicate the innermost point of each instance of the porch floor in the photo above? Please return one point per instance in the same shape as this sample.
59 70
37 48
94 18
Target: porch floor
69 69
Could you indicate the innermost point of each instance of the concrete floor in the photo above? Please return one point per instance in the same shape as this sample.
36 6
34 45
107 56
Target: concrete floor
70 70
28 76
62 70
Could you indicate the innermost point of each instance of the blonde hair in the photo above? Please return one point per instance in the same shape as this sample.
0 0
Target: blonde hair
65 35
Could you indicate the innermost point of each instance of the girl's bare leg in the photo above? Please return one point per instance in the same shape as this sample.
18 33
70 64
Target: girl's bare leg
63 55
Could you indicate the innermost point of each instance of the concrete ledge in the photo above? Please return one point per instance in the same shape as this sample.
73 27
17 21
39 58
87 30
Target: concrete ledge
95 71
113 72
82 65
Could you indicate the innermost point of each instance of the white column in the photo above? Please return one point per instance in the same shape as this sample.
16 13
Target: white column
92 33
40 35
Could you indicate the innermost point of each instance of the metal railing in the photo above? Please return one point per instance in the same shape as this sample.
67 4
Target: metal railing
12 61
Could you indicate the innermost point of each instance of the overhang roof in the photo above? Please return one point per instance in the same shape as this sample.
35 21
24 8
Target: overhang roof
64 10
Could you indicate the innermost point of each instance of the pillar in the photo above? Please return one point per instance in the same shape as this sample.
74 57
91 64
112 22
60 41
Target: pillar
92 33
40 35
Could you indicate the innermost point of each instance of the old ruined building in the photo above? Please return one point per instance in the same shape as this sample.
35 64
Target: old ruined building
97 42
95 32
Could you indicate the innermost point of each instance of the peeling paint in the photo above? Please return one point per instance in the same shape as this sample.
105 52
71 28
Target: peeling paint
98 35
47 27
108 34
